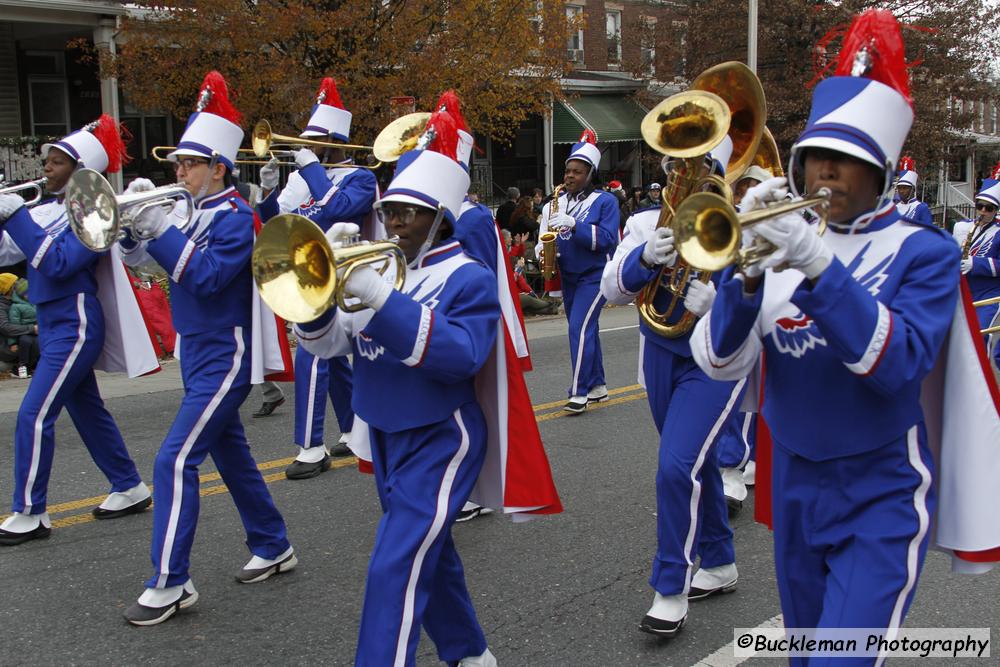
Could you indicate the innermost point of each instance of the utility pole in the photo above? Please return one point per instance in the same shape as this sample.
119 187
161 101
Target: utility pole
752 36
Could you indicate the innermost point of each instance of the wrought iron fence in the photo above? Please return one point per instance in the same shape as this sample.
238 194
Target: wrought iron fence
19 159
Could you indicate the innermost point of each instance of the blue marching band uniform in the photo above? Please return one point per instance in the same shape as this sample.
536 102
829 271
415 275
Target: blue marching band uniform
63 285
911 208
325 196
426 341
982 267
208 259
588 224
692 414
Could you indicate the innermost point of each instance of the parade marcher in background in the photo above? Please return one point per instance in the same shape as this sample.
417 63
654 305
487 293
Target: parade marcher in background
212 301
689 411
981 249
754 175
75 308
906 200
324 195
424 345
587 225
850 328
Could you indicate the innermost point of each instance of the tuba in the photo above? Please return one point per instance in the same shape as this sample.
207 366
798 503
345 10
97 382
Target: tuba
725 99
99 218
549 267
300 274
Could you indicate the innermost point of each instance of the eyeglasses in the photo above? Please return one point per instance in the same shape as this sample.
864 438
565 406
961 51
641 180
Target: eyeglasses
188 163
989 208
405 214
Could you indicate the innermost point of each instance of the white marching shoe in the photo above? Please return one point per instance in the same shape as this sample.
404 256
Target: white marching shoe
156 605
487 659
709 581
122 503
19 528
667 615
258 569
750 473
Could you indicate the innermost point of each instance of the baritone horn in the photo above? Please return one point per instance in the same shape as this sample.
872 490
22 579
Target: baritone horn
38 185
400 136
99 217
300 275
708 231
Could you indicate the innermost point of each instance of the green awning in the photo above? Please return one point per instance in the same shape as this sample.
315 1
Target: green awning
611 117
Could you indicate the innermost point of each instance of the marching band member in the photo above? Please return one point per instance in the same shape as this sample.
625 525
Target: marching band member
689 410
906 200
325 196
981 249
425 345
64 286
211 288
861 312
588 225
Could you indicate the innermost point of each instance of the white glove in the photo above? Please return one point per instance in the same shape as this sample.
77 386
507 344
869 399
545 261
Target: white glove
8 206
305 157
339 231
771 190
562 222
140 185
269 175
699 297
799 246
151 223
659 249
749 237
966 265
369 287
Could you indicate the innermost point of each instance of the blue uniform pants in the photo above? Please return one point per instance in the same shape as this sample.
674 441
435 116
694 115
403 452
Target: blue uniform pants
315 378
689 410
736 442
850 536
583 302
215 367
71 338
415 578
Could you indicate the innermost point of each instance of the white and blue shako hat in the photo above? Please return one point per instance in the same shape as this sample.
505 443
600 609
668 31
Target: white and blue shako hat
99 145
586 149
907 172
449 102
328 117
721 153
213 130
431 175
990 191
864 110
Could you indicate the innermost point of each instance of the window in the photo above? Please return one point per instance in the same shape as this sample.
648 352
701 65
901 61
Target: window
48 102
613 21
647 48
680 56
574 46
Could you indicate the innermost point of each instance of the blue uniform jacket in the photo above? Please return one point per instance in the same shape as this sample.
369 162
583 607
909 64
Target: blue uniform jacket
476 231
984 278
595 235
915 211
58 264
344 194
416 359
844 357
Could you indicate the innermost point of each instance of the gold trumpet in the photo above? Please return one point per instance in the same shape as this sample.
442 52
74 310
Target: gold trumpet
708 231
300 275
38 185
549 267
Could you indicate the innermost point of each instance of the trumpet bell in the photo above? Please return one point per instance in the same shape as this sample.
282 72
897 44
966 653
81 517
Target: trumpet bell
399 136
260 139
708 233
687 124
293 268
92 210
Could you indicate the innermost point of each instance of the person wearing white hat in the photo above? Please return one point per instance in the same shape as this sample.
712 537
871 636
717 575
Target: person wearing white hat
211 292
344 193
587 223
906 194
63 285
690 412
979 236
851 323
424 345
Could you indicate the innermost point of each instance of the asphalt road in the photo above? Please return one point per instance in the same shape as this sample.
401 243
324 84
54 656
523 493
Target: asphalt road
562 590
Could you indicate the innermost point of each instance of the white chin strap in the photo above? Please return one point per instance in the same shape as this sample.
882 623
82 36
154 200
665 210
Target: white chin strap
429 241
208 181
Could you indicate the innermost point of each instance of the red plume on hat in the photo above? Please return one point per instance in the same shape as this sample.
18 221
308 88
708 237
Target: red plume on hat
328 93
906 163
589 136
113 138
873 48
995 174
443 133
450 102
214 98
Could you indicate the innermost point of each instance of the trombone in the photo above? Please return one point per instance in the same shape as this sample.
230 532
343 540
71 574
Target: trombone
99 218
300 275
264 140
158 154
38 184
988 302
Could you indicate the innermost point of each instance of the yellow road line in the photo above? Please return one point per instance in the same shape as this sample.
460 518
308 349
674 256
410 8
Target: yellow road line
214 490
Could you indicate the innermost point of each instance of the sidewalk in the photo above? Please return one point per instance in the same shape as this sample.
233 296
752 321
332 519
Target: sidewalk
169 378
